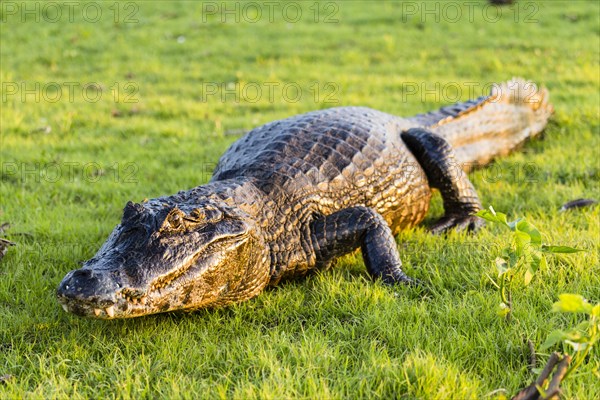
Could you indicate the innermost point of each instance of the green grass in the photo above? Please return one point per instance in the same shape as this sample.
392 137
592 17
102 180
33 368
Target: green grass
333 335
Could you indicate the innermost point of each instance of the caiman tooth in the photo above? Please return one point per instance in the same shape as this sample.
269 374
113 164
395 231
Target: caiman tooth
110 311
64 306
97 311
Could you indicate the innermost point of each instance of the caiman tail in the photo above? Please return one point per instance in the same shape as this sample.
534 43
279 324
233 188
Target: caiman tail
482 129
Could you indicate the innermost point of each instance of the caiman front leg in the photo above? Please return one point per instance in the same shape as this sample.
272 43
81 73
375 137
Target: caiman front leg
344 231
436 157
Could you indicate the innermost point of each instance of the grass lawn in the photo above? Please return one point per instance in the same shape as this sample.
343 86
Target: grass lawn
108 102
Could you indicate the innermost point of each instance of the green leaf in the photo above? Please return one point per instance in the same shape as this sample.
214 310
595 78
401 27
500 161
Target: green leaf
533 266
560 249
577 346
573 338
528 276
506 252
572 303
583 326
512 257
537 260
543 263
501 266
553 338
492 216
503 310
487 215
522 239
532 231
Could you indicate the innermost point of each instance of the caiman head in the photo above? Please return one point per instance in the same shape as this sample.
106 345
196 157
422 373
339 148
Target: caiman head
164 258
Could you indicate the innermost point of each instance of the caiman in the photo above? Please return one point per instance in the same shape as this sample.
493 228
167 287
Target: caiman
291 196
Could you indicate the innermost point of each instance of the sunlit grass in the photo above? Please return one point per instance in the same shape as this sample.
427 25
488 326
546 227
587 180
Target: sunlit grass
69 167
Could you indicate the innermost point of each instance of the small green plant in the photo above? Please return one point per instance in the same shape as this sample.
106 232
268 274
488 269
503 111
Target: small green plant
581 337
525 255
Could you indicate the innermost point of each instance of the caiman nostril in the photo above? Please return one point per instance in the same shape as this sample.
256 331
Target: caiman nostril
82 273
75 281
81 277
88 286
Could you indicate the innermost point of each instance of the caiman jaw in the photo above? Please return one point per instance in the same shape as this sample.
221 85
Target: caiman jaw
87 293
109 311
106 294
73 294
128 299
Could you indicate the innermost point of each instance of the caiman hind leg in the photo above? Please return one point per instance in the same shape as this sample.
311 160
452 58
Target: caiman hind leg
436 157
344 231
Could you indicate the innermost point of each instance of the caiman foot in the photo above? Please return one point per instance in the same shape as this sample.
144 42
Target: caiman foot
458 223
436 157
403 281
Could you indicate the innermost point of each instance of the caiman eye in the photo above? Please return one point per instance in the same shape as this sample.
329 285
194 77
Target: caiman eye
179 221
176 220
173 222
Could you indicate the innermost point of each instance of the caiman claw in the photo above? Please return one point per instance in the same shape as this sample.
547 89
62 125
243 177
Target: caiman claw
458 223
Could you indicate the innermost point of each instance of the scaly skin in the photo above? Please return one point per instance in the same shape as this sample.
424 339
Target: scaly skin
293 195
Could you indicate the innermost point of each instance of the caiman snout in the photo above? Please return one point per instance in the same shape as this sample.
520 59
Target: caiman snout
85 291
